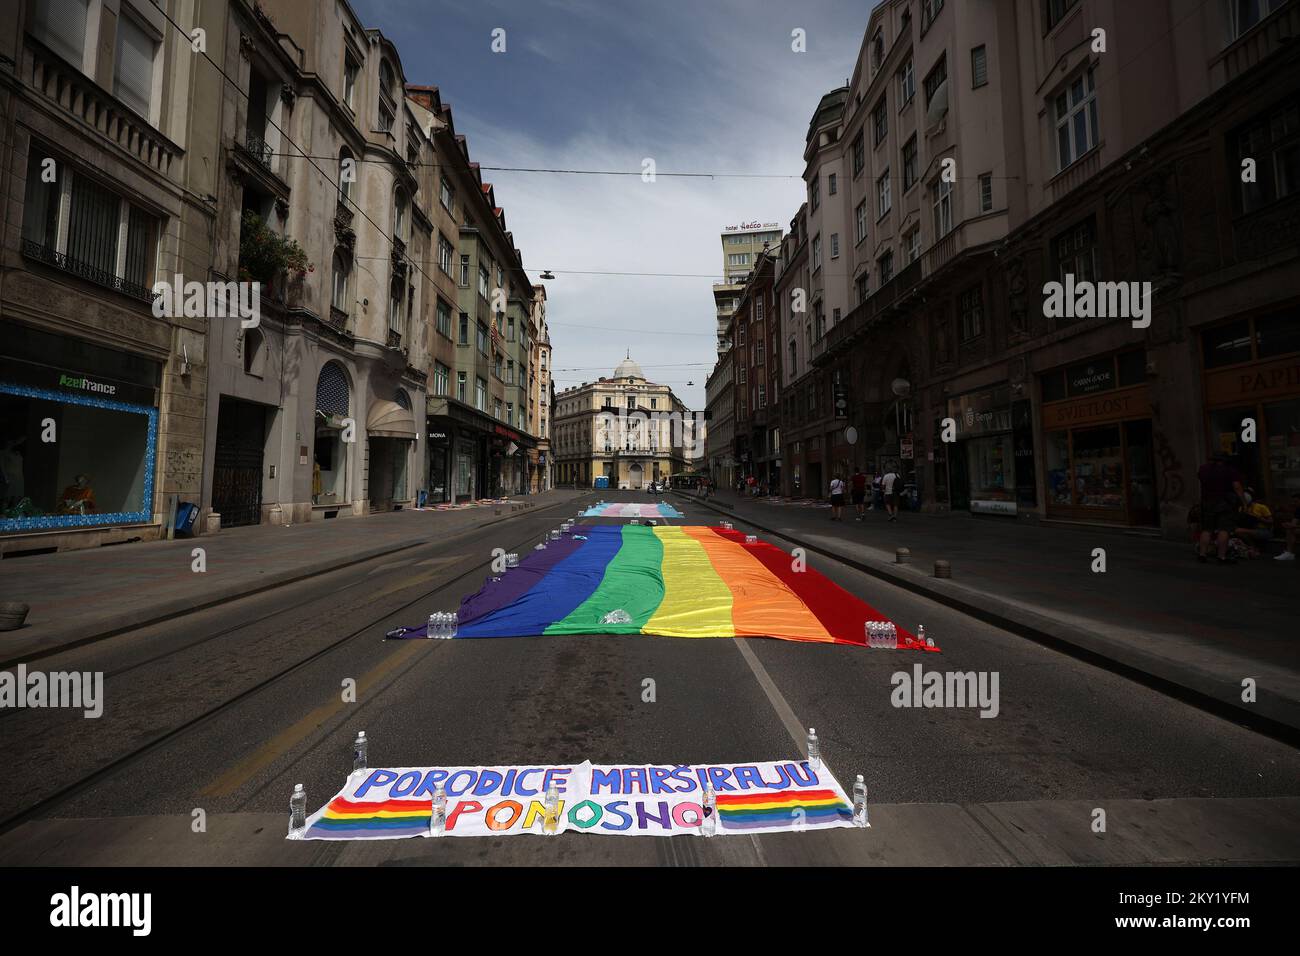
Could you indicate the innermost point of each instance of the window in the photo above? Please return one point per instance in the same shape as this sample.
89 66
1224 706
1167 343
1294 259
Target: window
935 78
738 259
350 70
480 394
1075 251
971 307
762 396
1056 9
464 272
986 192
483 280
877 49
830 185
446 195
883 194
510 329
859 153
879 122
463 338
929 10
1273 141
412 146
817 252
481 338
133 68
942 207
885 265
339 296
61 26
863 285
441 378
496 365
510 413
910 170
399 215
104 238
979 68
835 245
860 222
912 246
460 386
906 84
815 192
444 254
387 108
444 318
397 307
1076 119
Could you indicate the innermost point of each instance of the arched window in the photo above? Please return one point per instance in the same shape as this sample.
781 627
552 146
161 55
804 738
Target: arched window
342 270
333 396
399 214
347 175
402 399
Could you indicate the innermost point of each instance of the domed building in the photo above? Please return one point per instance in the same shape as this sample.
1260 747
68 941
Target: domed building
622 427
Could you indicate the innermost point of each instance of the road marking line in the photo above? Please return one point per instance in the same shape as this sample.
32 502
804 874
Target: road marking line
798 733
234 778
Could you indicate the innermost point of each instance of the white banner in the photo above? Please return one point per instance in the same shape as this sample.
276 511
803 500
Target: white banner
761 797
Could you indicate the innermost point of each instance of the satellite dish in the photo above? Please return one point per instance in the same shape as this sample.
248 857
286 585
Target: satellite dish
901 387
851 435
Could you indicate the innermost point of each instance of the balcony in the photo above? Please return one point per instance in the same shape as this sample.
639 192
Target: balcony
337 319
82 270
1259 42
1076 174
872 309
394 339
75 95
256 147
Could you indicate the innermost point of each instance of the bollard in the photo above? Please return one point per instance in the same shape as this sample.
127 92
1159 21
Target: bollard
942 569
497 510
903 555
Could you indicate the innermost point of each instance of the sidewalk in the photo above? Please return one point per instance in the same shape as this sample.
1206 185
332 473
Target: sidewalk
80 596
1200 627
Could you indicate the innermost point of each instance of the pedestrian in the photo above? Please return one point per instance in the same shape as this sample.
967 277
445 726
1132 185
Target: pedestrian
877 493
890 485
837 497
859 491
1221 495
1289 529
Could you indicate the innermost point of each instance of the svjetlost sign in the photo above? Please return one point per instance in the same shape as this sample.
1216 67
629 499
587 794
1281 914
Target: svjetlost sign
1085 299
212 300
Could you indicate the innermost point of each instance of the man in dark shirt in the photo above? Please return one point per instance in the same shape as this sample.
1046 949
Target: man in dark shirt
1221 493
859 491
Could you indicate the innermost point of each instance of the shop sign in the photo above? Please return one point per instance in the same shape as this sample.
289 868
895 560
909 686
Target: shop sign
437 436
1118 406
1090 377
1262 381
989 507
905 448
982 413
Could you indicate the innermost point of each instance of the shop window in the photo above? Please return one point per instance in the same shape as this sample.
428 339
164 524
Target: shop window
1226 344
100 471
1282 427
1277 334
1057 456
1098 467
333 401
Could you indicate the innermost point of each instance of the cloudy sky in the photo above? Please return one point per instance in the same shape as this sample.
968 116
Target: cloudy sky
707 86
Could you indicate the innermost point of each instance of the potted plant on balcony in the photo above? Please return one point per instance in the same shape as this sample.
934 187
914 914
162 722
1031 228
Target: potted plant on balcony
267 257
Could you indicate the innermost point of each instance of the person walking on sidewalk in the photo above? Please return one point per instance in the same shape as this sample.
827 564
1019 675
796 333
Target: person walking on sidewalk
1221 494
1289 529
859 491
891 484
837 498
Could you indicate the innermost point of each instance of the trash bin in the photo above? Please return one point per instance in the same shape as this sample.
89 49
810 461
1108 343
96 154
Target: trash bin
186 515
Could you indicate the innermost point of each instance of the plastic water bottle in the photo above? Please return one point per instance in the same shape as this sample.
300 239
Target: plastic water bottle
814 749
709 820
551 811
751 539
438 814
891 635
359 752
452 620
297 810
860 803
433 625
920 635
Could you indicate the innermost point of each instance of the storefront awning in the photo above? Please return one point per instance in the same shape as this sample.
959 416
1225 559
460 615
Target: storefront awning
387 419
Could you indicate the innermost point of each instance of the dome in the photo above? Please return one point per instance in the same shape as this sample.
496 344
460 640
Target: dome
629 369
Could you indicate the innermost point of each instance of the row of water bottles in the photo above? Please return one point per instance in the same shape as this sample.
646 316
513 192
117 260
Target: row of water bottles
882 634
442 624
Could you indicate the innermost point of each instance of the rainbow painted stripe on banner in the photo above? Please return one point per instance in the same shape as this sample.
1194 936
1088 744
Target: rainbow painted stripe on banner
749 811
632 510
343 818
675 581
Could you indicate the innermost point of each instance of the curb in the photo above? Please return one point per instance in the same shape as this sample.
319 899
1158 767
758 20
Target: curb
1276 716
179 607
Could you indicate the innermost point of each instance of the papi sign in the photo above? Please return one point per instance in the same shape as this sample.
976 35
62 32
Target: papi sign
622 800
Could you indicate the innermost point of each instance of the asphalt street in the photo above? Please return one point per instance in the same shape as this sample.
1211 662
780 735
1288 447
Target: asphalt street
227 708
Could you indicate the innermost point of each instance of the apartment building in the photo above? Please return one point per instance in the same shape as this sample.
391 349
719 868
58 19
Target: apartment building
756 376
101 397
720 398
793 328
540 392
1091 141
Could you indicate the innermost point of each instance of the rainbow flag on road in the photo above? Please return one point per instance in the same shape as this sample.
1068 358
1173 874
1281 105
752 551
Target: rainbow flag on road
632 510
749 811
671 580
343 818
